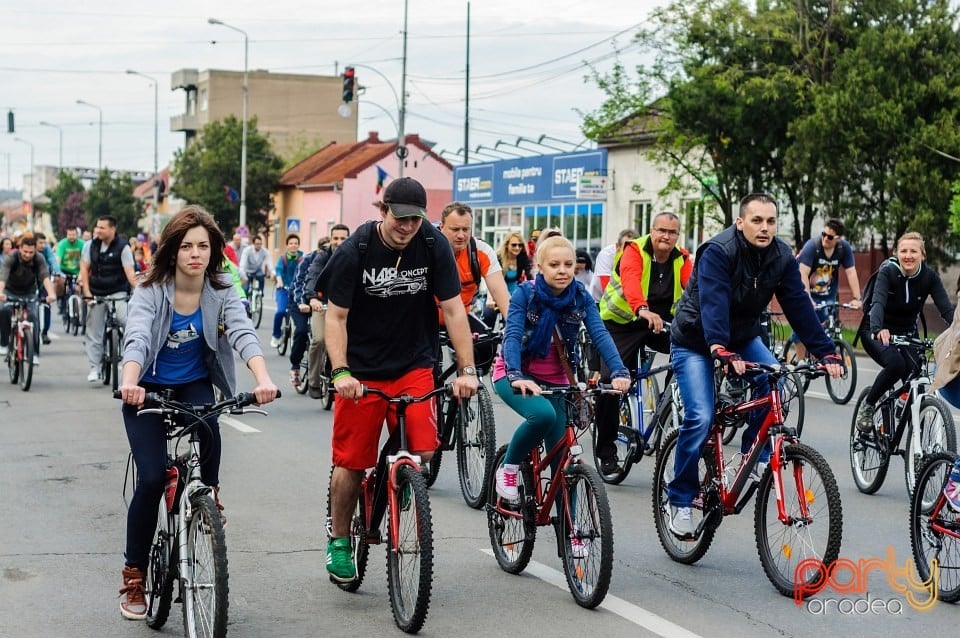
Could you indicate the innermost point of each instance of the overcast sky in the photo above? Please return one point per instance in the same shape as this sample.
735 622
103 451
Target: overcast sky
526 64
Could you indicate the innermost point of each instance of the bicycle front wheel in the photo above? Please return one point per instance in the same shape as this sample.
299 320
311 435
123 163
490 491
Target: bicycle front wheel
869 457
75 312
933 529
410 552
205 583
304 375
286 335
511 525
256 309
162 568
115 341
326 387
13 364
937 434
476 446
841 389
813 528
107 356
586 536
26 362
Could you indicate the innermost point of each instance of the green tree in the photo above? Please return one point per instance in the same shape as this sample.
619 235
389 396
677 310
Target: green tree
72 213
67 186
114 196
211 165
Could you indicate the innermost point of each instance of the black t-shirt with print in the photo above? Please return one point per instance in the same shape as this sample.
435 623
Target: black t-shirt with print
392 327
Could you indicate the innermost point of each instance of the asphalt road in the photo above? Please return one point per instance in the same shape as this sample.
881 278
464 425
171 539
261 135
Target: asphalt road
62 465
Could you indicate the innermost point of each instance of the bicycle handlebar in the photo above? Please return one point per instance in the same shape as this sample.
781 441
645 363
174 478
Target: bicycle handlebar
823 305
911 342
406 398
156 403
812 370
600 388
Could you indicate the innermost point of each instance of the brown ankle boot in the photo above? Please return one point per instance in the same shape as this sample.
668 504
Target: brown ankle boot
216 500
134 604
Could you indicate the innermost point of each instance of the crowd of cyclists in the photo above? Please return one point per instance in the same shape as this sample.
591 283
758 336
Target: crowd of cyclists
354 295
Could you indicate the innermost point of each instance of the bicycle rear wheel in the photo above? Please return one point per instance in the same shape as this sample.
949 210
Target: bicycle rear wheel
410 553
682 551
511 526
937 434
869 457
26 361
801 540
476 446
358 540
162 569
928 507
841 390
585 535
205 598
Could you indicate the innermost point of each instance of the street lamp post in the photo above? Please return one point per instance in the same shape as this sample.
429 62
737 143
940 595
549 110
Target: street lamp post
100 142
243 143
60 130
155 225
32 177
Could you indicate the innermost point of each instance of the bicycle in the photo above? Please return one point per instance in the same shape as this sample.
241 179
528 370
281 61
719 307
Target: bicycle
734 388
840 390
21 350
468 426
326 382
189 547
798 518
646 416
112 341
935 528
73 310
304 371
256 301
583 523
912 410
286 333
395 488
589 357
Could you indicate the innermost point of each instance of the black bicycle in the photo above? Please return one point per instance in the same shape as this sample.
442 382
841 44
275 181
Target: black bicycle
468 426
189 547
112 342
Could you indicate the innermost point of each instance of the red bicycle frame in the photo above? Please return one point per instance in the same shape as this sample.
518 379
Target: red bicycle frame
561 450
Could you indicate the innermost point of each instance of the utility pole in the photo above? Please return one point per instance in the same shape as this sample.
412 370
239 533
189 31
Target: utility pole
401 134
466 110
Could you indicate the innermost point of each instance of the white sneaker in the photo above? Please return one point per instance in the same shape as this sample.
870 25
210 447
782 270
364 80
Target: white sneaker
681 523
94 375
758 471
274 342
3 351
507 483
36 360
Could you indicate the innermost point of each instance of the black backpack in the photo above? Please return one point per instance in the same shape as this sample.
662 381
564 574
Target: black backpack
867 300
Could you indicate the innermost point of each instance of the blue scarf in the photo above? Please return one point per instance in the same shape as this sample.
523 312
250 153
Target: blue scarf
551 306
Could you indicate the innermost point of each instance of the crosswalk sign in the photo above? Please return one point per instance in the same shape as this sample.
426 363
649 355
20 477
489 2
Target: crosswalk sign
293 225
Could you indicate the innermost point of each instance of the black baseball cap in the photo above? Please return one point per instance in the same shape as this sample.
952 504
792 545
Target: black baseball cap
406 197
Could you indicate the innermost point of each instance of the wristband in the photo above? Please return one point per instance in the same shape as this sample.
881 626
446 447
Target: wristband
339 373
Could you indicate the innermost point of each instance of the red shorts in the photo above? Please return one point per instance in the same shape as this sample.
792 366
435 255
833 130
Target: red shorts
357 425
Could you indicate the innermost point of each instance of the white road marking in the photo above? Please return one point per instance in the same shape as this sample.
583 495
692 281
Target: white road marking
635 614
236 424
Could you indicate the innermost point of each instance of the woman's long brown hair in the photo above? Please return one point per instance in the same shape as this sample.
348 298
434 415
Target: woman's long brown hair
163 264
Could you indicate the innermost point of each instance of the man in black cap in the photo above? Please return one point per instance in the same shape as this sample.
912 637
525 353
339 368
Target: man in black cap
382 286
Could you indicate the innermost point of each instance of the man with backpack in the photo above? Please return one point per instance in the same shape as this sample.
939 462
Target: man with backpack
820 262
285 272
382 287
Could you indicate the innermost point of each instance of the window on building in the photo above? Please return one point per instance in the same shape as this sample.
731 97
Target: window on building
642 215
203 99
692 223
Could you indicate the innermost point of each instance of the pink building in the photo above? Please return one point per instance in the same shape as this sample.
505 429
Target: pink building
339 184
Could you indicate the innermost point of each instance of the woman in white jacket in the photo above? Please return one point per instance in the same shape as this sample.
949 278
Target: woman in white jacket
183 323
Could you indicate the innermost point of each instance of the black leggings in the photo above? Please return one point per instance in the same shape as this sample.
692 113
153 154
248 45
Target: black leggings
148 442
896 363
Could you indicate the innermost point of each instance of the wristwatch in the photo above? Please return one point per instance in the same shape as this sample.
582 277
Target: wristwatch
468 370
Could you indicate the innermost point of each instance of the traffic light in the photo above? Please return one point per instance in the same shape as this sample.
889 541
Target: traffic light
10 122
348 84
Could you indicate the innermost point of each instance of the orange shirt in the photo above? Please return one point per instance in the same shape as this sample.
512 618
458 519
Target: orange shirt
488 264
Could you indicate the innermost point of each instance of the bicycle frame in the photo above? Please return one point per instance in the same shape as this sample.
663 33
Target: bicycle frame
19 319
640 374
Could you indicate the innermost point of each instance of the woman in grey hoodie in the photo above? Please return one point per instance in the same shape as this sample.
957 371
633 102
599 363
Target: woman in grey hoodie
184 322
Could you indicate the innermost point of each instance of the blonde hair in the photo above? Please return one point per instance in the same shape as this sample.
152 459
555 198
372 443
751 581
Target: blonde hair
554 241
915 237
504 251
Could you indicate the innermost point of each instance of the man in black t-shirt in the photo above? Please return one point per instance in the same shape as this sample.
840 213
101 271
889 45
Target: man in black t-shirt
23 272
382 286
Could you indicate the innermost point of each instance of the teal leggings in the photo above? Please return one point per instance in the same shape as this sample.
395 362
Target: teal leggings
545 419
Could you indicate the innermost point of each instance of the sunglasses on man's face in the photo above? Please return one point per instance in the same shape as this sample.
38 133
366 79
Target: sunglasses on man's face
826 235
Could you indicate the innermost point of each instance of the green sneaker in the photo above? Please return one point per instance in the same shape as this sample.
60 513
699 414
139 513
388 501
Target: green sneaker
340 560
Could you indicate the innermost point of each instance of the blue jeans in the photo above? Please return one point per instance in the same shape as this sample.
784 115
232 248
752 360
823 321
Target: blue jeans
281 297
301 328
951 392
694 373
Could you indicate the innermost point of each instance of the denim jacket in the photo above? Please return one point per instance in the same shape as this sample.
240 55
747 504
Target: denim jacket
525 312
